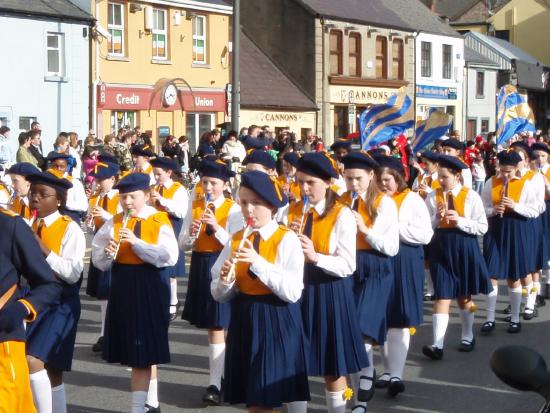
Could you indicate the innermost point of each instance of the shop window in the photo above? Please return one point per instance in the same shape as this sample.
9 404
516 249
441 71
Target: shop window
426 59
25 122
484 125
340 122
335 52
196 125
55 52
355 54
115 25
398 58
199 39
160 34
122 119
480 85
381 57
447 61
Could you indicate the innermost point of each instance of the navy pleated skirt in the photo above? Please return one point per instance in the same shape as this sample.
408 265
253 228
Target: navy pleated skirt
536 259
51 337
177 270
200 309
136 325
406 305
456 265
373 283
99 282
545 225
508 247
266 353
331 324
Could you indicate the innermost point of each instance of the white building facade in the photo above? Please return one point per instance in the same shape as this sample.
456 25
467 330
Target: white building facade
45 73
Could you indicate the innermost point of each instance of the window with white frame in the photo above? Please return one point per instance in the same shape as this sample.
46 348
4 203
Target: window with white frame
55 51
160 34
199 39
447 61
196 125
115 25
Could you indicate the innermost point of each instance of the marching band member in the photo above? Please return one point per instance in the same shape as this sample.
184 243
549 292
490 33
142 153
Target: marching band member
171 196
21 186
340 149
260 160
326 230
405 309
457 267
51 338
377 241
103 205
141 154
21 258
453 147
5 195
207 228
509 202
266 352
288 179
140 245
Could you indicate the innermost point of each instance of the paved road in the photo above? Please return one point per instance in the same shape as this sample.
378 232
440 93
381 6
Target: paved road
460 383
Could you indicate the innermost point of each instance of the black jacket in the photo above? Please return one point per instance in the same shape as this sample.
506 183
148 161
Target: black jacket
42 163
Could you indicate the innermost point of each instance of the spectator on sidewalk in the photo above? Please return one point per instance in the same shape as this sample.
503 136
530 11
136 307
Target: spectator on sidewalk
23 154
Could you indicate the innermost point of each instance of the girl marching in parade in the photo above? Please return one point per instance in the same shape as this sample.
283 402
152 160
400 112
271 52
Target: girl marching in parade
139 244
377 241
288 179
326 231
51 338
140 156
457 267
103 205
21 187
261 272
453 147
405 308
207 228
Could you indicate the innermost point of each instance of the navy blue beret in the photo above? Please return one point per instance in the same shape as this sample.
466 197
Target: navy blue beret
49 179
52 156
260 157
216 169
539 146
291 158
317 164
165 163
524 146
134 181
265 187
452 143
390 162
104 170
359 160
107 157
23 168
341 144
142 150
451 162
430 156
508 158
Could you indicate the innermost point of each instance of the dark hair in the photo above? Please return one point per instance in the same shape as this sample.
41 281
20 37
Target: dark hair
183 138
331 198
23 138
399 179
4 129
33 124
61 195
252 127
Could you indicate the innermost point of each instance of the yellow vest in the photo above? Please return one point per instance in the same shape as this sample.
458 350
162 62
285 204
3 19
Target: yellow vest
209 243
459 203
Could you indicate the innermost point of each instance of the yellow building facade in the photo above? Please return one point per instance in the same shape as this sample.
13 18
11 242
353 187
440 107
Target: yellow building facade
527 22
161 65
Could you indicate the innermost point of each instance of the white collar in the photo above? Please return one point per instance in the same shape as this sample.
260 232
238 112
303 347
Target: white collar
218 201
267 230
50 219
545 167
456 190
320 206
111 194
146 212
168 184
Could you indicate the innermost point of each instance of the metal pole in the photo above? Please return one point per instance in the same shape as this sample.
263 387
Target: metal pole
236 87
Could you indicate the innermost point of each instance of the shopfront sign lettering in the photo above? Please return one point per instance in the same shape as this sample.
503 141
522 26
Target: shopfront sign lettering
279 117
127 100
436 92
203 102
359 95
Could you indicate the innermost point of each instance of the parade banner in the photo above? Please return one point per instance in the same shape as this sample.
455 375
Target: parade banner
427 131
513 114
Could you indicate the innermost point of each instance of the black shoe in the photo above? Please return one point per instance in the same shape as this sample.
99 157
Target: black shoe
366 395
546 290
514 328
432 352
467 346
396 386
508 319
487 327
528 314
98 346
212 397
151 409
541 301
382 381
429 297
176 309
508 309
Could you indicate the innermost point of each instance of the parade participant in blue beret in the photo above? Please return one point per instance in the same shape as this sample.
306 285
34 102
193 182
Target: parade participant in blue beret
327 230
260 270
208 226
405 306
139 244
51 338
141 155
21 186
258 159
457 267
454 147
288 179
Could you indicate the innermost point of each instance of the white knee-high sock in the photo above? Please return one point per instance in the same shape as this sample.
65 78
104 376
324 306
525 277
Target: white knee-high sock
439 325
173 291
41 391
537 286
515 303
216 363
335 401
467 319
59 401
103 308
429 283
138 401
398 341
531 296
491 301
296 407
385 355
152 393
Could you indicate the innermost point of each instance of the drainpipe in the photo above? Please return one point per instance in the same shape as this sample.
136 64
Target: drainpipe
95 82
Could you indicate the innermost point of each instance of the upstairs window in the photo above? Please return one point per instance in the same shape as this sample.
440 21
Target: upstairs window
199 39
335 52
426 59
398 57
355 54
160 34
115 25
447 61
55 52
381 57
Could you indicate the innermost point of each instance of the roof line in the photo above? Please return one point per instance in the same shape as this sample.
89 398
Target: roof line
282 108
29 14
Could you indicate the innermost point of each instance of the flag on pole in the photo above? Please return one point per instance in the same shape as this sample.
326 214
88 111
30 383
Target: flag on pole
513 114
427 131
382 122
